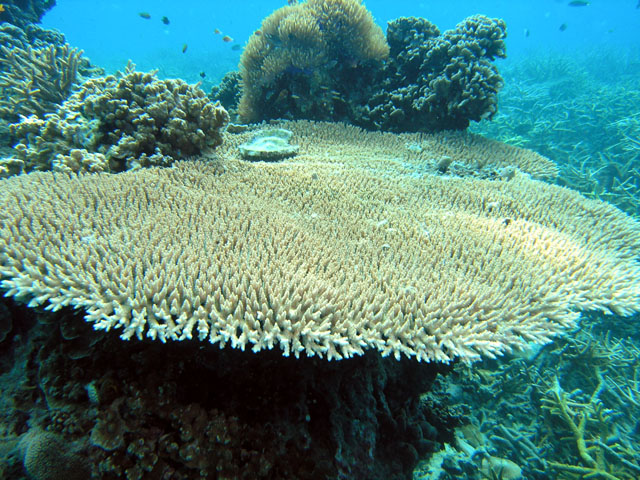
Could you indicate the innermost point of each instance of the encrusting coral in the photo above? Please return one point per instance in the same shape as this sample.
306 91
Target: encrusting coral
319 257
305 56
133 119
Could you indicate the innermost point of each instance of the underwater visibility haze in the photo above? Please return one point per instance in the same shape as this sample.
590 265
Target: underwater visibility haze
320 239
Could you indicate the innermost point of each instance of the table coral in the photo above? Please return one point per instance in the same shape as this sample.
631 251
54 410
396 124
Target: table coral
236 253
133 119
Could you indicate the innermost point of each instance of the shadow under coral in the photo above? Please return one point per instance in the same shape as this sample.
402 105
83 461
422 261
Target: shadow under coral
186 410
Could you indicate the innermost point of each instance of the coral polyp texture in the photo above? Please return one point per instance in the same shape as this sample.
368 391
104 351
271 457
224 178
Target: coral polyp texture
305 57
132 119
318 255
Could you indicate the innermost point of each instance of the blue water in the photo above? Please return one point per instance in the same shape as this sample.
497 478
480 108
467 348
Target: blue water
112 32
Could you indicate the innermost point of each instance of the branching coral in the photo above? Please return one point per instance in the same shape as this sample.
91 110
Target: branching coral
133 119
36 80
592 428
432 267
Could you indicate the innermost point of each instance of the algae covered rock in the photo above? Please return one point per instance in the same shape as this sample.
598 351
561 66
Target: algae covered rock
269 144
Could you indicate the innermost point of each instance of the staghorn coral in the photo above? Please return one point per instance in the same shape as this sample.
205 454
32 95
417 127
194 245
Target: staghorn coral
437 82
431 267
36 80
308 59
548 105
132 119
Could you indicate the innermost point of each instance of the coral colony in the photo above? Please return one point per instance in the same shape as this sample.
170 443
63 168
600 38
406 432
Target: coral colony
315 272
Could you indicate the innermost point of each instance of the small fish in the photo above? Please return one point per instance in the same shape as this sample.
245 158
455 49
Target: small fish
227 39
578 3
1 8
165 20
217 32
527 32
145 15
258 33
184 48
236 46
202 74
563 27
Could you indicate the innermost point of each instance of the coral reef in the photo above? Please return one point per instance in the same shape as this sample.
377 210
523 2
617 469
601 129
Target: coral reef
143 411
38 70
308 59
36 80
568 410
269 144
437 82
302 65
132 119
241 257
24 12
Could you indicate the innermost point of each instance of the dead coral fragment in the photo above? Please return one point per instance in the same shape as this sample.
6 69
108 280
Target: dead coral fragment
269 144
